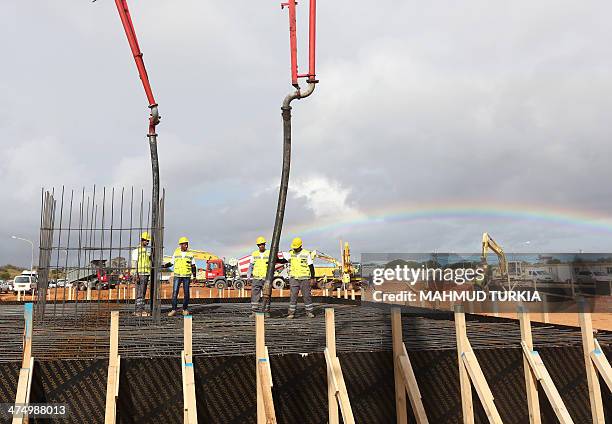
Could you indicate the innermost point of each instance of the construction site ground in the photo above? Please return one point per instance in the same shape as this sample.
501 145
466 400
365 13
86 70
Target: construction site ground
126 293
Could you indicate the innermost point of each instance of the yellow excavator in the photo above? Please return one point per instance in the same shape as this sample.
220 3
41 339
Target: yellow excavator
343 271
489 243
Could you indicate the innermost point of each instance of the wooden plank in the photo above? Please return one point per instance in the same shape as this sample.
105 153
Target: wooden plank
22 389
482 387
342 395
602 364
268 366
24 382
588 346
183 379
112 380
548 385
467 407
189 396
412 387
27 334
266 389
400 390
260 352
333 383
531 382
187 335
330 350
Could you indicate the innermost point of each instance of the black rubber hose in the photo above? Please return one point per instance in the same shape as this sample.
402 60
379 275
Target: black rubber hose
155 233
282 192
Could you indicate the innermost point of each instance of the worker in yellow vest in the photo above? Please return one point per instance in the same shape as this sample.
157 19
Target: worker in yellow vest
256 274
301 276
141 263
184 273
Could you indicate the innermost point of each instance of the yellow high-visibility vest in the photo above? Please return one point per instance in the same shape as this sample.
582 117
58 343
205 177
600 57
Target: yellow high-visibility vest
260 263
143 261
299 264
182 263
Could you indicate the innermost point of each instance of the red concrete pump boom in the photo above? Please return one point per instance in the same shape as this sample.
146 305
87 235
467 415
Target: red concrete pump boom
128 26
312 22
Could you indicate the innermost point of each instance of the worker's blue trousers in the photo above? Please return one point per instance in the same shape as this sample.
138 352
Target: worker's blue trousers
175 290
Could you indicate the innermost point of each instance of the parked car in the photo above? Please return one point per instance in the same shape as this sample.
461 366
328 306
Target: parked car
61 282
539 276
5 287
52 284
587 276
24 283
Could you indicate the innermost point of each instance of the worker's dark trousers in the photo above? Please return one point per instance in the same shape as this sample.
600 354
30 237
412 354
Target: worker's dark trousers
296 286
175 290
256 287
141 291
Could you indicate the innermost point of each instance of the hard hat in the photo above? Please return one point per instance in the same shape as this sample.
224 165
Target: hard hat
260 240
183 240
145 236
296 243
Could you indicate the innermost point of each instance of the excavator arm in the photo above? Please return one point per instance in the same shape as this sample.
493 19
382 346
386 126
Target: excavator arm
489 243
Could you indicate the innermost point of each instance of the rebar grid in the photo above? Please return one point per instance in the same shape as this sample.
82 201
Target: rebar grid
86 242
225 329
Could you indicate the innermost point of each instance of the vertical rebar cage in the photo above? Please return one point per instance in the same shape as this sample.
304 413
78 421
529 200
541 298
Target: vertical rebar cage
87 239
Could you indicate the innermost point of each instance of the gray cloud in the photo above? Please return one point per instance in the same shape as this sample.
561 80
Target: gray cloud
440 103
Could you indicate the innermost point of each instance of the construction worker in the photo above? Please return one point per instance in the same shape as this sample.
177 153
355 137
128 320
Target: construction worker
184 272
141 262
301 276
256 275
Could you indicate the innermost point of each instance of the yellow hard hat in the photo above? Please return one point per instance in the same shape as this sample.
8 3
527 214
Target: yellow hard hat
296 243
260 240
145 236
183 240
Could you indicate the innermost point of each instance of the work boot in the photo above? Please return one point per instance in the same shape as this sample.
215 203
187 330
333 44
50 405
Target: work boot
290 316
310 315
137 313
145 314
185 312
253 315
172 313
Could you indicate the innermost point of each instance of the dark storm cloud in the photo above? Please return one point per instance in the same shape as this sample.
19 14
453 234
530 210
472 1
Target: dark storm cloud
484 102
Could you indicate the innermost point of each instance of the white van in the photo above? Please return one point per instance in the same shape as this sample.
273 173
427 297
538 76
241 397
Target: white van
24 283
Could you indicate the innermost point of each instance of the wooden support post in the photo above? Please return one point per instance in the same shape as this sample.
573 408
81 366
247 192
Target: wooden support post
400 390
531 383
24 383
334 375
330 342
541 373
265 401
352 294
602 364
114 361
588 346
467 407
190 412
470 369
405 380
537 367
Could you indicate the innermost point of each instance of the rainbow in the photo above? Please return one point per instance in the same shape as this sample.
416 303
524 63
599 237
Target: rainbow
582 220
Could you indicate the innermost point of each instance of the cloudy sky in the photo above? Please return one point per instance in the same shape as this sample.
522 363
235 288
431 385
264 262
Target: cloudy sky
432 122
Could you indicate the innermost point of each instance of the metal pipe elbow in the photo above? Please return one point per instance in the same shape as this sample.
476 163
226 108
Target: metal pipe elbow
299 94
